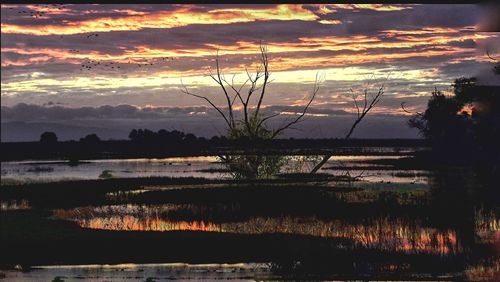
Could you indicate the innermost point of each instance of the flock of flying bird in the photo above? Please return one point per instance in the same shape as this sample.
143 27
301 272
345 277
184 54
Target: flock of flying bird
89 64
38 14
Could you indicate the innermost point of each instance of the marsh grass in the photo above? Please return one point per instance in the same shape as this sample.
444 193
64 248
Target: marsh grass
14 205
386 233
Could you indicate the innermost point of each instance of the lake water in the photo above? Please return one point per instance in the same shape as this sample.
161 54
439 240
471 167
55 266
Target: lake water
202 166
464 225
142 272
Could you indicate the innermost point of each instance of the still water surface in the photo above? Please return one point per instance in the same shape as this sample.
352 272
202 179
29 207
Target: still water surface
142 272
202 166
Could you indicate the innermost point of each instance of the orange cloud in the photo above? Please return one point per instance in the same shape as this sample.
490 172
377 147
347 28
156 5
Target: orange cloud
183 16
306 44
325 9
330 22
376 7
425 30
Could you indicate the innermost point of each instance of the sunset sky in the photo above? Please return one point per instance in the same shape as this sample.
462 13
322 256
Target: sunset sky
140 53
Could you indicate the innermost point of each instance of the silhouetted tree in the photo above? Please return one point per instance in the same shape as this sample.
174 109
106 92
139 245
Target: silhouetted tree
91 139
176 136
468 121
149 136
133 135
190 138
252 126
48 138
496 67
163 137
442 120
163 134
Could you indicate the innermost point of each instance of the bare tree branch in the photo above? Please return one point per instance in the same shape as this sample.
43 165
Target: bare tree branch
252 120
236 91
491 57
406 111
355 103
265 64
266 118
186 91
315 91
219 80
367 106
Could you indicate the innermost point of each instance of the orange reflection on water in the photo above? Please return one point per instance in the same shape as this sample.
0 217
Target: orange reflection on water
382 233
487 227
14 205
132 223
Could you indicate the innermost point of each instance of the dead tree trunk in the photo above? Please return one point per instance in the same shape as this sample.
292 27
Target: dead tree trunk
361 113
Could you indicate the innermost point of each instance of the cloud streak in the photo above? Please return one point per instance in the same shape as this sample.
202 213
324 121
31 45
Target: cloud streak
183 16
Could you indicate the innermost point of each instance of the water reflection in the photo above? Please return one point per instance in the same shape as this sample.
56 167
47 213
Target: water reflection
387 233
145 272
14 205
487 226
200 166
28 171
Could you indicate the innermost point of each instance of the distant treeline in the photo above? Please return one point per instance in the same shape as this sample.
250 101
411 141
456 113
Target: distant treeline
164 143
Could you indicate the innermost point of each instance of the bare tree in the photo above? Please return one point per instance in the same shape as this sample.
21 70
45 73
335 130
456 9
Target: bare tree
253 123
496 68
368 104
490 56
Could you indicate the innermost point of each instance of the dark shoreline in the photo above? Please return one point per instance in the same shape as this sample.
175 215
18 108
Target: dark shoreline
122 149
